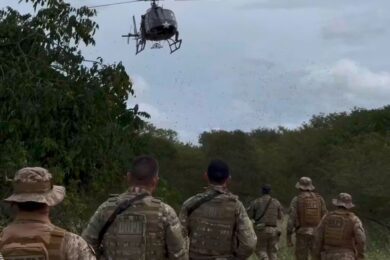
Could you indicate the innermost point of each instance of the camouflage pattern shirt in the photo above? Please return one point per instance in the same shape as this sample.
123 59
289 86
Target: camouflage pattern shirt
73 247
358 237
212 221
258 213
293 224
170 243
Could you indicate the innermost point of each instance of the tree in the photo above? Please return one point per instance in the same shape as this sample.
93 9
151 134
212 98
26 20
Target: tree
57 110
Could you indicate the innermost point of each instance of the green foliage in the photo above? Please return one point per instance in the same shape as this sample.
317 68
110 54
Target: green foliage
56 110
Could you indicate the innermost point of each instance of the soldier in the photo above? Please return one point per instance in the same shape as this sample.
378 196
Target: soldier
265 213
340 235
216 222
305 213
135 225
31 235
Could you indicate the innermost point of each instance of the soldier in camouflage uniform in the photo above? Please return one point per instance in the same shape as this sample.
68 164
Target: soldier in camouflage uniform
216 222
305 213
146 228
340 235
31 235
265 213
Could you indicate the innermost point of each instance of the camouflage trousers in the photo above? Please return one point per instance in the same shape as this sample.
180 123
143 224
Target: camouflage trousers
267 243
304 247
338 256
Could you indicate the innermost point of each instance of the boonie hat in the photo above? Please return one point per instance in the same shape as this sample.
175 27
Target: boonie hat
34 184
343 200
305 183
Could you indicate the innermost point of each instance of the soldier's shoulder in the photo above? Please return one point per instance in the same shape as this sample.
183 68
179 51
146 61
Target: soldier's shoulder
355 218
276 202
112 201
232 196
166 207
77 247
193 199
73 240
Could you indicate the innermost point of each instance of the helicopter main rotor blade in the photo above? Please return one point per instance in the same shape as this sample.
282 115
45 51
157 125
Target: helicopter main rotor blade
118 3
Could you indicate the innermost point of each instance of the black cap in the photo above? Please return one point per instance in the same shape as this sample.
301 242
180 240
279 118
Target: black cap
266 189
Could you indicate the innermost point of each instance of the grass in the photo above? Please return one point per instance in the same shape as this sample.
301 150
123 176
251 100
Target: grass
376 250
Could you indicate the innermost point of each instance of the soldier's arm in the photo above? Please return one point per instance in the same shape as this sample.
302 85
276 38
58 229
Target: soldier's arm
245 234
280 211
292 219
95 224
318 240
176 244
76 248
251 210
360 239
324 210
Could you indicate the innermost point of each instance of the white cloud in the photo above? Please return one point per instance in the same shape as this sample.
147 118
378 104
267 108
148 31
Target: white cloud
347 84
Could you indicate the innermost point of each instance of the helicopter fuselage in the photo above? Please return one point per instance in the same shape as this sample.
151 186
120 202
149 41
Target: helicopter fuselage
158 24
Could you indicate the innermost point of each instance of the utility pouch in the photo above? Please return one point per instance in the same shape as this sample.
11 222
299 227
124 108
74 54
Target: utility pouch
260 226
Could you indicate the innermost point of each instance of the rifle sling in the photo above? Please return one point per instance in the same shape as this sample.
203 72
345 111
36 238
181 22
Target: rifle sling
121 207
264 211
203 200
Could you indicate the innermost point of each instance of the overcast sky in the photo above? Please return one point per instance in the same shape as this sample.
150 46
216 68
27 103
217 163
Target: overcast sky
246 64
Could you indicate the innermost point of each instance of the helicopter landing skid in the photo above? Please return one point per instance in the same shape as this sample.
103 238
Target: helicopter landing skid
174 45
140 45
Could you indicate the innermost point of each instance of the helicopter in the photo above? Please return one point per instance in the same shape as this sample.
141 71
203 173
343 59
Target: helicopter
157 24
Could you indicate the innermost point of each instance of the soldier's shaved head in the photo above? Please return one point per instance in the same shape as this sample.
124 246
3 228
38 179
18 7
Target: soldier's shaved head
144 169
218 172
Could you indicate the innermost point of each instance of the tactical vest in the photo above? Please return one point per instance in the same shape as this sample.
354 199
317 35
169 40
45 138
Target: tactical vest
32 241
271 215
309 209
137 233
338 230
212 227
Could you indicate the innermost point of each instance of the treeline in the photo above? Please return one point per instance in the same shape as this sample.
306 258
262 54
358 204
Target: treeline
341 152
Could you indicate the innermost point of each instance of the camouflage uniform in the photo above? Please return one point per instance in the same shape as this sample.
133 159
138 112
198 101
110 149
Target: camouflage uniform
71 246
305 213
34 185
340 235
266 228
149 229
219 228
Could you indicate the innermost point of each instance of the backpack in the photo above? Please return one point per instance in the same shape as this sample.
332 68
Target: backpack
32 246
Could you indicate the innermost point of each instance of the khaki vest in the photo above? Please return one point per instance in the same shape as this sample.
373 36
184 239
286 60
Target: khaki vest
338 230
32 241
212 227
270 217
309 210
138 233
